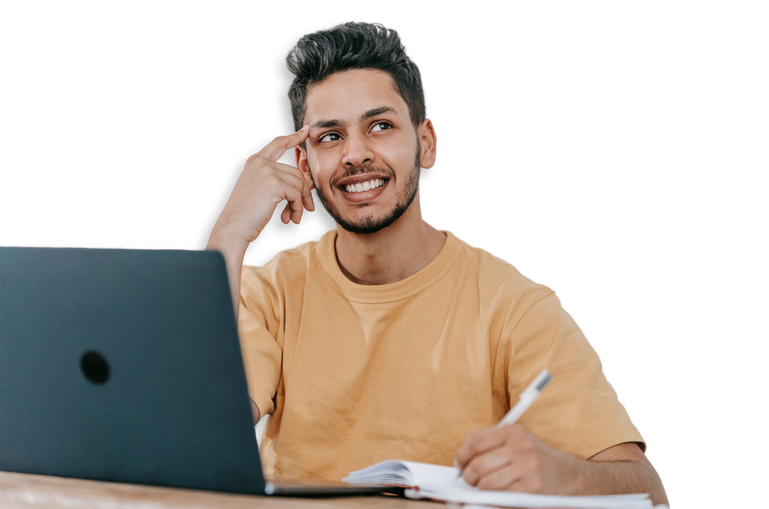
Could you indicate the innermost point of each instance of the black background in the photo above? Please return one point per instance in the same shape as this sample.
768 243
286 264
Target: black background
547 152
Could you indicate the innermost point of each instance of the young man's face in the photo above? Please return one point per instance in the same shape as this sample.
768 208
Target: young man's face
363 153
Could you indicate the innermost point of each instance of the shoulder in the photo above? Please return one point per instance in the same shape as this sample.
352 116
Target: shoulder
496 275
287 270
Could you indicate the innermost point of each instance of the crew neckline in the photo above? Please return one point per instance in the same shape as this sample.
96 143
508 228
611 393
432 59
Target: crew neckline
413 284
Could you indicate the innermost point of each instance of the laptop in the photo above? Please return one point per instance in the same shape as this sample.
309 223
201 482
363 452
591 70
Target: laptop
125 365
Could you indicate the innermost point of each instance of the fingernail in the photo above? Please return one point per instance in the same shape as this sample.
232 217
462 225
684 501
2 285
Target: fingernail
304 128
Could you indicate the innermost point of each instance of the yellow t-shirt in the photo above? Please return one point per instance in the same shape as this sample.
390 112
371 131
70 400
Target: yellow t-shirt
355 374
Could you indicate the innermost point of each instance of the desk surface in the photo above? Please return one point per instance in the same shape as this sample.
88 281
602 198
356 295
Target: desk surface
26 491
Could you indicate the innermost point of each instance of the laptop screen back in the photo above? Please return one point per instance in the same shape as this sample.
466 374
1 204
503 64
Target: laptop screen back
123 365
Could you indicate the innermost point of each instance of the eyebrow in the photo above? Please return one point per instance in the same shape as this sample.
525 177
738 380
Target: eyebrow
323 124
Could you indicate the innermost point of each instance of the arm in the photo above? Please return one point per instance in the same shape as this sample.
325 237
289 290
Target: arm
628 470
262 185
234 251
512 458
255 411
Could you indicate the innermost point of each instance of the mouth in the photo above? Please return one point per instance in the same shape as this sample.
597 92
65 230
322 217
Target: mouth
363 188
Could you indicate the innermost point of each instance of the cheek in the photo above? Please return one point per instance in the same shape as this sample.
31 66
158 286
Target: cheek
318 165
397 158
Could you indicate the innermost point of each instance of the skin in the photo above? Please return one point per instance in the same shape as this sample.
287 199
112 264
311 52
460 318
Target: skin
342 138
512 458
357 122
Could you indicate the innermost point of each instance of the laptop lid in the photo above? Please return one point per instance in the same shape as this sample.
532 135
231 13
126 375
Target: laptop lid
123 365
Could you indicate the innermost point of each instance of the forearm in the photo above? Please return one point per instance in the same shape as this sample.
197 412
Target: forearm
512 458
603 475
234 251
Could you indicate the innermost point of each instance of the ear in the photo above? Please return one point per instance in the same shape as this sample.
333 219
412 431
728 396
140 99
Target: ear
301 163
428 143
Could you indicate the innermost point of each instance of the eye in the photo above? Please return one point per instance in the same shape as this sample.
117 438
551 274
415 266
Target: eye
381 126
329 137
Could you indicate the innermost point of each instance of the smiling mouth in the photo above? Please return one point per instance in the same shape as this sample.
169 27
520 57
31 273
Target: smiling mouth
364 186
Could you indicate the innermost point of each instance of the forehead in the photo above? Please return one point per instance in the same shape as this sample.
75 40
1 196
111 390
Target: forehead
345 96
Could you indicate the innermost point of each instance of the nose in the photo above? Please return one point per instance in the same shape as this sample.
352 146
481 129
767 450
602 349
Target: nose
357 150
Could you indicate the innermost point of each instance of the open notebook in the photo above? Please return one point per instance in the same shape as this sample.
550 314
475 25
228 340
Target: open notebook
443 483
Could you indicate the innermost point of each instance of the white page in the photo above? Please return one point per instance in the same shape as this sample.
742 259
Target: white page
408 473
438 475
527 500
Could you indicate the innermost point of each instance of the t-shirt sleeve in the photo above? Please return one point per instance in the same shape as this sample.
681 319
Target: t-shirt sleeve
261 352
579 413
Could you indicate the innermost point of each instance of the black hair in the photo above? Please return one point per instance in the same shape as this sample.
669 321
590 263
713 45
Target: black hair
318 55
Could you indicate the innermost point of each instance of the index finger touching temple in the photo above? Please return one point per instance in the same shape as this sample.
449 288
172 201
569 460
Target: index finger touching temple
277 147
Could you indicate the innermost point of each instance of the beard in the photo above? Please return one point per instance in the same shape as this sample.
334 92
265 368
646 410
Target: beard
369 224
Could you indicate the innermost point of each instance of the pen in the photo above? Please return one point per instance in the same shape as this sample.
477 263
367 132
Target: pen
527 397
525 400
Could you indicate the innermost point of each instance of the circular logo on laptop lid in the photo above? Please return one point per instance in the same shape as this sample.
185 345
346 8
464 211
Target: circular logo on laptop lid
94 367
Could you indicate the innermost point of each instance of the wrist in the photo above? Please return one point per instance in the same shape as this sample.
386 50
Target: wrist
573 479
226 241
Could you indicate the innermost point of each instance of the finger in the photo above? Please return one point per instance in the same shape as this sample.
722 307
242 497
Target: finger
277 147
288 188
285 216
501 479
478 442
309 204
301 181
307 200
294 208
296 213
483 465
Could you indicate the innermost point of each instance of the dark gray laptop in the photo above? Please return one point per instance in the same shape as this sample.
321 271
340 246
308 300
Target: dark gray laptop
124 365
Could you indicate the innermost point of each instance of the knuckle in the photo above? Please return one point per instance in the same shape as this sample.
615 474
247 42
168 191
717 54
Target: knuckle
485 484
527 446
255 160
470 475
273 181
518 434
473 437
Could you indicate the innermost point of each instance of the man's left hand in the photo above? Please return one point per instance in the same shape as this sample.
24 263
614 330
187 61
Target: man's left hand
511 458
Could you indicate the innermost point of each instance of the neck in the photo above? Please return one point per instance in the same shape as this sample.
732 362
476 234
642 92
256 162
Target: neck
391 254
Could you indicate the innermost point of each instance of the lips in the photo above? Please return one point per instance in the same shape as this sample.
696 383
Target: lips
364 191
360 176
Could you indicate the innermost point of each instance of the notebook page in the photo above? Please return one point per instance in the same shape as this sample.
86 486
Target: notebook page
435 475
527 500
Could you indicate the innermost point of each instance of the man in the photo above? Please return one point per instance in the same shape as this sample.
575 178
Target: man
389 338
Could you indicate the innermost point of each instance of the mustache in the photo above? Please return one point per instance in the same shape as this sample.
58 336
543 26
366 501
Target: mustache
362 170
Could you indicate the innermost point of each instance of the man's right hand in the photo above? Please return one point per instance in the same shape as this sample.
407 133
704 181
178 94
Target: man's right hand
262 185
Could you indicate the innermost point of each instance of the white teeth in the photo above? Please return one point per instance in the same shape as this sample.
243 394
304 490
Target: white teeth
365 186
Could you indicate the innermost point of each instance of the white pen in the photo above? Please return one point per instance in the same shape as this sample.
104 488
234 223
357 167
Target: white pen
527 397
525 400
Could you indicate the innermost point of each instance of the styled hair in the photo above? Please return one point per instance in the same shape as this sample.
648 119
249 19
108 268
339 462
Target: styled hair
318 55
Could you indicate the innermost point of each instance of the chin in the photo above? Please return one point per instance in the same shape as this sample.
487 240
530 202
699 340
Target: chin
370 223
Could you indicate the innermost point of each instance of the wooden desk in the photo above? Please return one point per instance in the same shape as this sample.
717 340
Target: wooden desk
27 491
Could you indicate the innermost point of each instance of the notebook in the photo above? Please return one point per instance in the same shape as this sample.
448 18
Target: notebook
125 365
438 482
